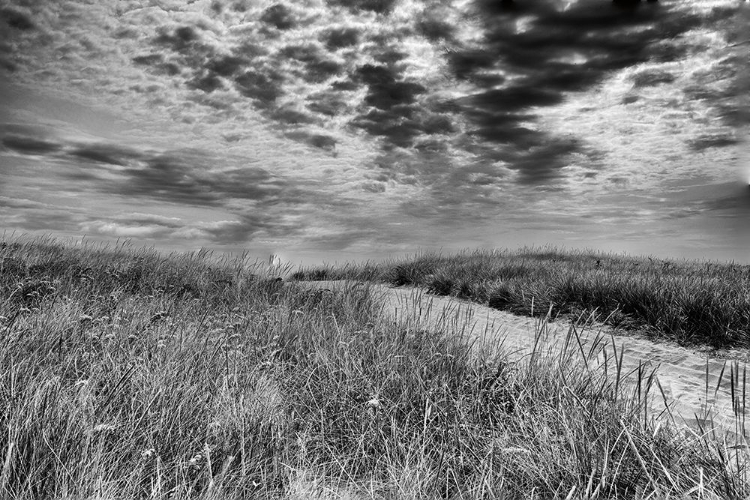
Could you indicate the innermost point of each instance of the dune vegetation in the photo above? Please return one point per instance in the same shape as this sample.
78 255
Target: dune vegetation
129 374
690 302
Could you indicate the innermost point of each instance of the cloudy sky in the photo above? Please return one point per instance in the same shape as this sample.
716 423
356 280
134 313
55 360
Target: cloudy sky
353 129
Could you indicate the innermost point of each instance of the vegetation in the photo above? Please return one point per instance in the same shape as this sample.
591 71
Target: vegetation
127 374
690 302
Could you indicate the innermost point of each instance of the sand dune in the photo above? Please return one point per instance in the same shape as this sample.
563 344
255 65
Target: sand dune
692 388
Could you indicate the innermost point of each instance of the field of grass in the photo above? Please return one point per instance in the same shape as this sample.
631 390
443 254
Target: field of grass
128 374
689 302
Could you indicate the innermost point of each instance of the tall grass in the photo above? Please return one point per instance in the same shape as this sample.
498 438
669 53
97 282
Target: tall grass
127 374
687 301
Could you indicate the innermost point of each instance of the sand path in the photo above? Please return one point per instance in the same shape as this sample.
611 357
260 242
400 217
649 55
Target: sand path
689 387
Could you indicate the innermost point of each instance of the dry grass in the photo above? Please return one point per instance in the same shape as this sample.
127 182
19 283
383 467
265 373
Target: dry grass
687 301
126 374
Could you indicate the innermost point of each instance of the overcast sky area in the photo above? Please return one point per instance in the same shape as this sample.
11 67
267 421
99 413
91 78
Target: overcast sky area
333 130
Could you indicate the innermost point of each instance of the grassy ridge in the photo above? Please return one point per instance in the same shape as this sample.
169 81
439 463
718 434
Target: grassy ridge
690 302
126 374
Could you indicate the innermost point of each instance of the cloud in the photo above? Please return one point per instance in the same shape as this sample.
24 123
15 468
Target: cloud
376 6
30 145
339 38
326 103
317 67
156 63
649 78
117 229
279 16
434 29
320 141
226 65
249 226
21 203
27 215
385 90
531 55
181 39
185 177
453 110
17 19
713 141
264 88
105 153
205 81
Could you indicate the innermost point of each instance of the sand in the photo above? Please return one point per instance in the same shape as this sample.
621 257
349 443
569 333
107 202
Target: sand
691 388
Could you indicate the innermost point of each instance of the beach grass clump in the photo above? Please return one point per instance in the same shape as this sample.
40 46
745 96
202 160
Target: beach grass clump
118 382
690 302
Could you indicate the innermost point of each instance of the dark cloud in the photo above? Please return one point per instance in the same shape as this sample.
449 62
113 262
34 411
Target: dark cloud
232 137
737 202
181 39
373 187
393 125
391 111
17 19
290 116
317 67
385 90
467 63
434 29
340 38
326 103
206 81
320 141
226 65
344 85
30 145
377 6
126 33
279 16
437 124
191 54
185 178
542 163
262 87
157 64
561 49
650 78
390 56
105 153
148 59
518 97
712 141
8 65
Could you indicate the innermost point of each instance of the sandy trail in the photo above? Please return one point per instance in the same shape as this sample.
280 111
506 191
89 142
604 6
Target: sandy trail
695 387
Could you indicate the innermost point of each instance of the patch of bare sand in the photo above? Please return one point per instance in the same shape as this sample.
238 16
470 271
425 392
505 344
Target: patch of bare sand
691 387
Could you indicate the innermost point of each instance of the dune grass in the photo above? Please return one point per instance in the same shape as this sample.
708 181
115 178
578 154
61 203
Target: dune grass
128 374
689 302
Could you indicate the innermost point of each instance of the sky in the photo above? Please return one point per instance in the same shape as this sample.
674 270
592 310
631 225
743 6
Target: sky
337 130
